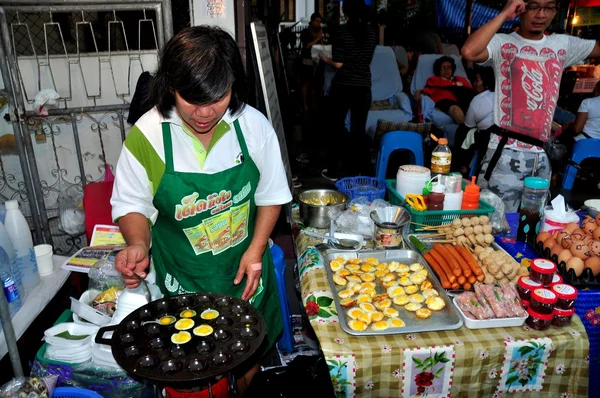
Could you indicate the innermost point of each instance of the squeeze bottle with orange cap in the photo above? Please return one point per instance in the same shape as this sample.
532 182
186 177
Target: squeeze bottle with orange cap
471 196
441 157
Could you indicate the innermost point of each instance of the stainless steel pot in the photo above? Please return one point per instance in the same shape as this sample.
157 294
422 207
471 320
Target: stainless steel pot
319 206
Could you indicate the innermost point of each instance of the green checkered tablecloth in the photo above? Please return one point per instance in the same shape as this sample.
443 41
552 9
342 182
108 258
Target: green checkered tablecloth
514 361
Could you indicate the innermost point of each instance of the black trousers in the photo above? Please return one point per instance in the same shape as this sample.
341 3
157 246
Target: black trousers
348 153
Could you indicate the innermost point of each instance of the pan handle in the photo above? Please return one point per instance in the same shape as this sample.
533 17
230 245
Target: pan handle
100 335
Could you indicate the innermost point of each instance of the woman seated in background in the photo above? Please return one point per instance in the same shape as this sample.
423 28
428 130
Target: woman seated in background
451 94
587 123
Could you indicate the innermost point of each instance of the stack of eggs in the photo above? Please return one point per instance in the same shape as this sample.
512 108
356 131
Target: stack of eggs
578 248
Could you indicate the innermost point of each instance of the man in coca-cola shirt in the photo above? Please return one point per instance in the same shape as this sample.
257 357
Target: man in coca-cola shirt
528 66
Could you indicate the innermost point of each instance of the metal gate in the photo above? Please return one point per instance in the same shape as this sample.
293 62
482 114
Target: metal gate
91 52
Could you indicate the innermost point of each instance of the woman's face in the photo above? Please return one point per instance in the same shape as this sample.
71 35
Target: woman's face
202 119
478 84
446 70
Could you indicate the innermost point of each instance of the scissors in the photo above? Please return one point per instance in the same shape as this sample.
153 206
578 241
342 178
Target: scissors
416 202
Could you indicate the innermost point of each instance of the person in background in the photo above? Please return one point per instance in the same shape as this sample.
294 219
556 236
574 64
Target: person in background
451 94
587 121
353 48
524 107
310 36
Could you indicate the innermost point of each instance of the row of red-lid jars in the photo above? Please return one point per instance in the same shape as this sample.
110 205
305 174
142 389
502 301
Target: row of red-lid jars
548 300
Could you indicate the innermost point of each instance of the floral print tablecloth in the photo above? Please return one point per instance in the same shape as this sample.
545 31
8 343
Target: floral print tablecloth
469 363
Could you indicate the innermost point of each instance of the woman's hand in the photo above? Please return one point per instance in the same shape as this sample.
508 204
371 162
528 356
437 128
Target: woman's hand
251 266
134 258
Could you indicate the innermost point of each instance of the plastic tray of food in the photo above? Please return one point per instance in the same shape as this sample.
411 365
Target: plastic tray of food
488 323
446 318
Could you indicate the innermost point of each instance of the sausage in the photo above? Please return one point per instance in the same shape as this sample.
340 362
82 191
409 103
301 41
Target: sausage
444 264
455 286
461 280
449 259
466 270
467 286
470 260
437 269
481 277
472 279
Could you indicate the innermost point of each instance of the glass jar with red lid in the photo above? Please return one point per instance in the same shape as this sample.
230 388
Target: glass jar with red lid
543 301
566 296
542 271
525 285
556 279
525 304
538 321
562 317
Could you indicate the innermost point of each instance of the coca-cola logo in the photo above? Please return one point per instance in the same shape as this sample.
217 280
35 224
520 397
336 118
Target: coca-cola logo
506 86
548 53
505 69
529 50
505 104
509 51
505 122
532 82
562 54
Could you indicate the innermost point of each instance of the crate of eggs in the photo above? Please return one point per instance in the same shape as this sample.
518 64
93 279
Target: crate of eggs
575 250
548 300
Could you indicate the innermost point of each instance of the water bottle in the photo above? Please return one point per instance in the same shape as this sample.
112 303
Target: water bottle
20 235
8 284
533 200
16 272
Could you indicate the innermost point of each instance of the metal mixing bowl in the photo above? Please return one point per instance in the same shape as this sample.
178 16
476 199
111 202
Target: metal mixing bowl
319 206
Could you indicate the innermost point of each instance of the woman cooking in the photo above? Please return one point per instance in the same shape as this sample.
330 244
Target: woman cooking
201 178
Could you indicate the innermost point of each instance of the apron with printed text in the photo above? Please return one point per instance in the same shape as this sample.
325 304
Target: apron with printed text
205 224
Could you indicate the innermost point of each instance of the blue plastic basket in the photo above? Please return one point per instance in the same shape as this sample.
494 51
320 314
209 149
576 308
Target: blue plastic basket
362 187
72 392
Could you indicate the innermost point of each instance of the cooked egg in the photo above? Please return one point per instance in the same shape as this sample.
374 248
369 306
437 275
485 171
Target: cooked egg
379 326
353 278
209 314
355 313
364 298
184 324
417 279
377 316
405 281
345 294
380 297
181 337
187 314
391 313
372 285
389 278
372 260
395 291
411 289
353 287
381 274
412 307
367 277
383 304
426 285
423 313
423 272
381 267
338 280
353 267
347 302
417 298
336 266
427 293
416 267
203 330
340 260
390 284
167 320
367 290
393 266
354 261
357 325
435 303
343 273
396 323
401 300
366 318
368 268
367 307
402 268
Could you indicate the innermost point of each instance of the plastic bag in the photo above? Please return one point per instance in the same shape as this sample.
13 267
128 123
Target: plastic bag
70 209
29 387
356 219
497 219
105 283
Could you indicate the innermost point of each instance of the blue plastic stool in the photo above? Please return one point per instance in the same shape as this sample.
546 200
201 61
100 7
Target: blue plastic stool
73 392
583 149
474 164
286 342
394 140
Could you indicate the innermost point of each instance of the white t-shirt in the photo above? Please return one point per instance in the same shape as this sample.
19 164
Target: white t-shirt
481 111
134 189
592 125
528 74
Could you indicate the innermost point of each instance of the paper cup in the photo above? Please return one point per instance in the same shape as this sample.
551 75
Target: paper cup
43 256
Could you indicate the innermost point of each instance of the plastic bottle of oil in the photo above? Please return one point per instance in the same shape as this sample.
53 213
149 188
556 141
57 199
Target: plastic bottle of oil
441 158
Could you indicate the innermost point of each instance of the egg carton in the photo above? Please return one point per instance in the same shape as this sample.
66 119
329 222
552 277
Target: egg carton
585 280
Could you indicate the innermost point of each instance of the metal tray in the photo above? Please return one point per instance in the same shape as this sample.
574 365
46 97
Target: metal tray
445 319
144 348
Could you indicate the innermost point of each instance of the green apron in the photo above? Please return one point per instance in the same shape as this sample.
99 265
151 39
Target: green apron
205 224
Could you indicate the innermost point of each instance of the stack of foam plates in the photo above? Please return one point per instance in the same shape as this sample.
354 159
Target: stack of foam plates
70 342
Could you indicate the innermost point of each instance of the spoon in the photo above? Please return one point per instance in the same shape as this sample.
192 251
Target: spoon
345 243
145 285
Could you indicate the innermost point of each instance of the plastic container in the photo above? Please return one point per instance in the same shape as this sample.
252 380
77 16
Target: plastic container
538 321
411 179
434 217
542 271
436 198
453 200
543 301
533 201
525 285
83 310
566 294
73 392
73 329
6 244
471 196
441 157
43 257
20 235
556 279
562 317
362 187
489 323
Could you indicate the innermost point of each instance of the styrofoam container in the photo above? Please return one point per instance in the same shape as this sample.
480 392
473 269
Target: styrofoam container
489 323
74 329
82 308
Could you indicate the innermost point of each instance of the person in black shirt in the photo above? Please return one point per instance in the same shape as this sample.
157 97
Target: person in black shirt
310 36
352 52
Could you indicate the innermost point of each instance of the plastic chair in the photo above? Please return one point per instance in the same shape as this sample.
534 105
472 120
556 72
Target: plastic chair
394 140
73 392
583 149
286 342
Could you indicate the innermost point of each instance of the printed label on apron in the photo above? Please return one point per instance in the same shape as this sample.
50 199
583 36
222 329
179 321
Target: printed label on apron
243 193
218 229
198 238
172 285
239 223
215 202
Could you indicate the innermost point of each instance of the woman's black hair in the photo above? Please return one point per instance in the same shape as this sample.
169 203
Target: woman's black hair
357 13
487 77
314 16
437 65
201 63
